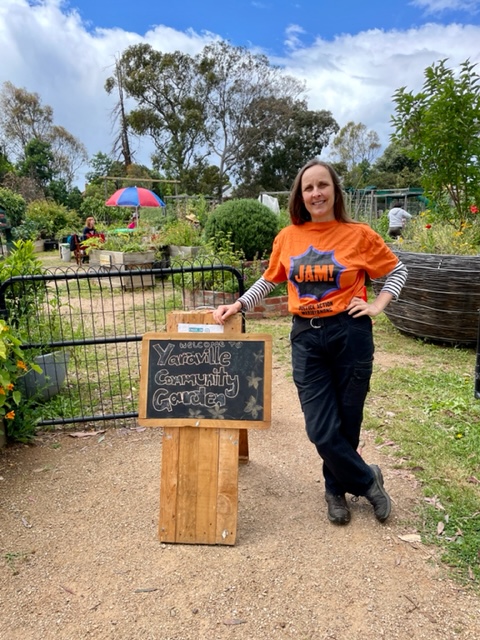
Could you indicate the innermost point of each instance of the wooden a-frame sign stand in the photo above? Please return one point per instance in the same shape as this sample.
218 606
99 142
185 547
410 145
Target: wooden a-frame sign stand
200 457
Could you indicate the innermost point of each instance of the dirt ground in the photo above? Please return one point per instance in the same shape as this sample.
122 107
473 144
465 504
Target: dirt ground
80 556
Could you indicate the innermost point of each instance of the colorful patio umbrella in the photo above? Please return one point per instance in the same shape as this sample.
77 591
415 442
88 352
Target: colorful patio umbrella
134 197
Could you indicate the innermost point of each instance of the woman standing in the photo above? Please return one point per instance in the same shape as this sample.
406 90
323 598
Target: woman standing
324 256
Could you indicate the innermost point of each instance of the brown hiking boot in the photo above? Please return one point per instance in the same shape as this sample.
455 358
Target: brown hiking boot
338 511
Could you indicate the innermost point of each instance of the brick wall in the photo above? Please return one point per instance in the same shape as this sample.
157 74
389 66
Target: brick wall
268 308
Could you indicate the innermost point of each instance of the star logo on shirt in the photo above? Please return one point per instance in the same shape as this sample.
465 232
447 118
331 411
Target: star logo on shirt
315 273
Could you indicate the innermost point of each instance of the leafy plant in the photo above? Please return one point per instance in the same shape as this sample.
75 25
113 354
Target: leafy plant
218 252
23 298
28 230
252 226
181 233
442 126
14 364
126 242
48 216
427 234
14 205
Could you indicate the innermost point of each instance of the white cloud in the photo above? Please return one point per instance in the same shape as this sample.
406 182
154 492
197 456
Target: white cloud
292 36
355 77
438 6
51 52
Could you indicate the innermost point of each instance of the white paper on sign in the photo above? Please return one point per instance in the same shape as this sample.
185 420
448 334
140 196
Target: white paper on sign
200 328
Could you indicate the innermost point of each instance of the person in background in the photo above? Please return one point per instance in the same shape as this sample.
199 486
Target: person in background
89 230
397 219
324 256
133 221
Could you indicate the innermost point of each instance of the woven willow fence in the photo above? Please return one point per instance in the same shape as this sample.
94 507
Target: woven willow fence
441 298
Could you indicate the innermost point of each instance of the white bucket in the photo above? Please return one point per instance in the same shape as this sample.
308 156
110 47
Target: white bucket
65 252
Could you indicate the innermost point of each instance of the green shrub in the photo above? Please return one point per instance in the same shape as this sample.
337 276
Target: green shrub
49 217
249 224
14 206
28 230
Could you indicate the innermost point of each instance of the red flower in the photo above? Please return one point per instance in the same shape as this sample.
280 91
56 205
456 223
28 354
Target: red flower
474 208
428 226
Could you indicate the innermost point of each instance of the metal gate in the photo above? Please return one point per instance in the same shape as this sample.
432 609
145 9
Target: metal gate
96 318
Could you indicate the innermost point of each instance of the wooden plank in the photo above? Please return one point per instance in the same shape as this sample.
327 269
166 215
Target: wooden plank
227 498
187 485
169 485
243 446
206 507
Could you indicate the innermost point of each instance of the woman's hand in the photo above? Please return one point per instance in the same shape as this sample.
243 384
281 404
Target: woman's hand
360 307
224 311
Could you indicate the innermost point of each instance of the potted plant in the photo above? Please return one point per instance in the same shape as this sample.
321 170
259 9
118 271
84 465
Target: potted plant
183 238
46 381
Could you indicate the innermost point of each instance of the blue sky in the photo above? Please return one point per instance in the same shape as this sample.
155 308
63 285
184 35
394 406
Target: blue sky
351 55
264 23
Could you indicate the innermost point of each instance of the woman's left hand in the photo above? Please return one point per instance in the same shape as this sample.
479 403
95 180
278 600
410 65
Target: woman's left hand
359 307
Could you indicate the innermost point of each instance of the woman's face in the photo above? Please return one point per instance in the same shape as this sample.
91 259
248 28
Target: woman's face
318 193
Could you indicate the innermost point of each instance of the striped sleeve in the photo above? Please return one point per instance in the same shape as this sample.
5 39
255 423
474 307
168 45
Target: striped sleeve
259 290
395 280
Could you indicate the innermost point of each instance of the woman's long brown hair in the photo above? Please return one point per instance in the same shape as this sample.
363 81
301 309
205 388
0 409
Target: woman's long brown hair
296 206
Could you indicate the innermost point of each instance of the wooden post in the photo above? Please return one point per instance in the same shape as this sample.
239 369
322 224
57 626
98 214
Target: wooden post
199 467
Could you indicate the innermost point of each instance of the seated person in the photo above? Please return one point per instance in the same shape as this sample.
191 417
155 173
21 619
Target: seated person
133 221
89 230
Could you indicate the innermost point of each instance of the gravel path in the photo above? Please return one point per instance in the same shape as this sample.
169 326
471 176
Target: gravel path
80 557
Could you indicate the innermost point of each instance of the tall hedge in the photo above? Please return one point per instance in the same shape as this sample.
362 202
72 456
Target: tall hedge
251 226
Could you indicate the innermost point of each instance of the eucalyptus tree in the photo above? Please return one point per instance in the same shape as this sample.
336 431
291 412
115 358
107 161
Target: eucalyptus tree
355 145
241 88
23 118
170 106
121 144
198 110
291 134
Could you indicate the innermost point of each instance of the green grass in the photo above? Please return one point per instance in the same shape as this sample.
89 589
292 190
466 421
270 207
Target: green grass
422 400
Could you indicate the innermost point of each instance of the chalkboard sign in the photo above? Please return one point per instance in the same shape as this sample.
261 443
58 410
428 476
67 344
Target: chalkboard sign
206 381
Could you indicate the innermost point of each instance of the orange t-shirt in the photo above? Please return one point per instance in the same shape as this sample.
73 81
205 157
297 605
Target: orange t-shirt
325 263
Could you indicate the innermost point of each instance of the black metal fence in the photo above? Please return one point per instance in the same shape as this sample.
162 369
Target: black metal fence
92 320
